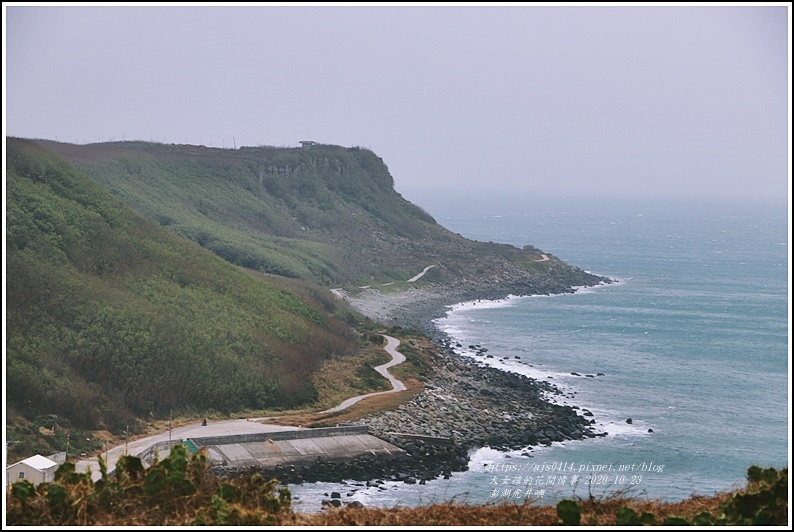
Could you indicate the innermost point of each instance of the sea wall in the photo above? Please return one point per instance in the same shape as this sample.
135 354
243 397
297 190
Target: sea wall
420 461
350 430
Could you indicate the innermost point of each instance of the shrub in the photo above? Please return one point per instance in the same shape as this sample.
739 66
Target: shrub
174 491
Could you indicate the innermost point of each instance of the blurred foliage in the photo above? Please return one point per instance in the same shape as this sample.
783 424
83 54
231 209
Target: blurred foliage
763 502
174 491
180 491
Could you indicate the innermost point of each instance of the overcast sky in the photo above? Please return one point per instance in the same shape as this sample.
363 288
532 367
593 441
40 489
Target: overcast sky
644 100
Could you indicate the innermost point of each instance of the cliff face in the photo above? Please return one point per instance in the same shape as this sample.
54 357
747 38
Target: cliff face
324 213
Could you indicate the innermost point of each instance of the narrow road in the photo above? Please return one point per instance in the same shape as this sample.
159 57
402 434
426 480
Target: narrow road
419 275
216 428
383 369
341 294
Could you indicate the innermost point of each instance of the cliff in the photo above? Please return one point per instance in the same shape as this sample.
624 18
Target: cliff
324 213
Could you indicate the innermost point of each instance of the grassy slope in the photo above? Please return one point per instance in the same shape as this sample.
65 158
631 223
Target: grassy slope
110 317
327 213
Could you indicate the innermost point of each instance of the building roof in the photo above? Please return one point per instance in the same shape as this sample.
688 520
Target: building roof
37 462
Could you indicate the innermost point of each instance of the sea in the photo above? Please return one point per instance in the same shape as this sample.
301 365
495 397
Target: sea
691 344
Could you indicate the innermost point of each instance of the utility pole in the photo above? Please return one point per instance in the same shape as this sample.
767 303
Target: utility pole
67 446
170 417
106 453
126 438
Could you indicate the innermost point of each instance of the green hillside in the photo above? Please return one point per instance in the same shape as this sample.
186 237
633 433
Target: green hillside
111 318
318 213
324 213
148 278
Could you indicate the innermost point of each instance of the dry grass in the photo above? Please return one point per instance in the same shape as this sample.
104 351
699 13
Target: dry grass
448 514
594 513
338 379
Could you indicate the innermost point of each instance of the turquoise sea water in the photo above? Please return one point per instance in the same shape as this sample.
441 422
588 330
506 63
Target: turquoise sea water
693 342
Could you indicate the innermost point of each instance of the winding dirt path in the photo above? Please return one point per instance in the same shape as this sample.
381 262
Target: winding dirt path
383 369
419 275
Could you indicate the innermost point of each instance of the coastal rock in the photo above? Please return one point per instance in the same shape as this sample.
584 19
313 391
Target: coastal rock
419 307
480 405
467 401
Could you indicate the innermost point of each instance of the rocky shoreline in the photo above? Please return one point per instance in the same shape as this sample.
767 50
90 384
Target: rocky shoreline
471 405
466 405
418 306
477 405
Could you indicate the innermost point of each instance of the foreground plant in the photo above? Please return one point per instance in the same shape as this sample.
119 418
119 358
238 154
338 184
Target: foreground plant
179 491
174 491
763 502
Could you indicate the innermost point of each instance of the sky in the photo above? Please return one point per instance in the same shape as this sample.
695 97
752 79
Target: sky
650 100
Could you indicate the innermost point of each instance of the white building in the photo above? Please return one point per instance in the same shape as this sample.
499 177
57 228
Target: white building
36 469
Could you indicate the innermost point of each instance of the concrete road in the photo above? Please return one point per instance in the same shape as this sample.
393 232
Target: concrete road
219 428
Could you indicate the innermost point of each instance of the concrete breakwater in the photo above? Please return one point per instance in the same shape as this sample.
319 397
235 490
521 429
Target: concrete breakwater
349 453
464 406
294 447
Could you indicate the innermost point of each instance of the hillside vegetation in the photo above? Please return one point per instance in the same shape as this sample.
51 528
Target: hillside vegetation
146 280
324 213
111 318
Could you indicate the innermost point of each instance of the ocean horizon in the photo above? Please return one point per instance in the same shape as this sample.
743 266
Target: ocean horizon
683 361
